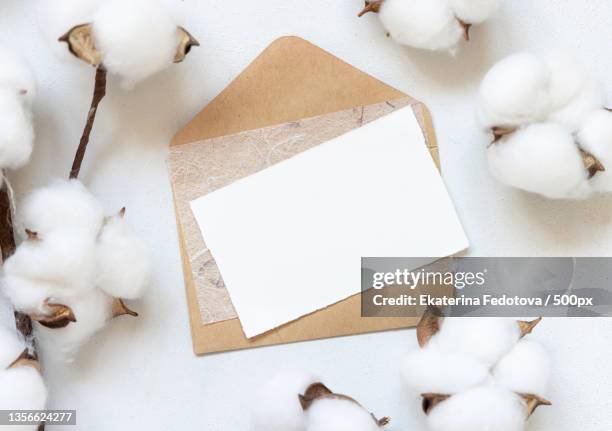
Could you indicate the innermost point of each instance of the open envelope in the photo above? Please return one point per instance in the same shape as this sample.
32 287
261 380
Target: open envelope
290 81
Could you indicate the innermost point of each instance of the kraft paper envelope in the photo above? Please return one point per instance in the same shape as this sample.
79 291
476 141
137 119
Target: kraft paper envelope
290 82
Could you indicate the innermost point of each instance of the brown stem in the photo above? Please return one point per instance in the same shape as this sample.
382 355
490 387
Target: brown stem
98 95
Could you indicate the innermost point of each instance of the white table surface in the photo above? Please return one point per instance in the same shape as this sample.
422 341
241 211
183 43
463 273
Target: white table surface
141 373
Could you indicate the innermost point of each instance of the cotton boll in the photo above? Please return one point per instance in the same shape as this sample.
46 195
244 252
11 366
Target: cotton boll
62 257
16 131
421 24
595 136
429 371
475 11
482 338
525 370
17 76
589 98
11 346
62 204
92 311
57 17
541 158
122 261
137 38
277 407
483 408
514 91
339 415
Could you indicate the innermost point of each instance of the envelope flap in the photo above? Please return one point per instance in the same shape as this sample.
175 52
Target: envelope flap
292 79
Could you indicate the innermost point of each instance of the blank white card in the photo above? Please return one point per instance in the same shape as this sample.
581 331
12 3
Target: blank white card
288 239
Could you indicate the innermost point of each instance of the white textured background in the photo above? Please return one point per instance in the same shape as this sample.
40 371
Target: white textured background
141 374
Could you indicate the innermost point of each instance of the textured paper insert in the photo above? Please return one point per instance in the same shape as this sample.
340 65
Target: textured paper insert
201 167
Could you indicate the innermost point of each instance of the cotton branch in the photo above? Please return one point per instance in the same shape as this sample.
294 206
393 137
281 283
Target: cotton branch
98 95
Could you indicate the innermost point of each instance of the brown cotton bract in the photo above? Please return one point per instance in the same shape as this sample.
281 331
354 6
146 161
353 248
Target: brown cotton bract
25 359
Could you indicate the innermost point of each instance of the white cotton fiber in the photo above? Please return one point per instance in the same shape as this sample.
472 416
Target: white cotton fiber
27 296
541 158
122 260
22 388
17 76
276 406
339 415
595 136
16 131
11 346
62 257
486 339
92 311
485 408
427 24
514 92
137 38
429 371
62 204
525 370
588 99
567 78
475 11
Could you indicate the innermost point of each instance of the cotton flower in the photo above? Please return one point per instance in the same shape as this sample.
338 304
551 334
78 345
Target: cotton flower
73 268
431 24
296 401
122 260
132 39
21 385
277 407
477 374
536 109
421 24
17 90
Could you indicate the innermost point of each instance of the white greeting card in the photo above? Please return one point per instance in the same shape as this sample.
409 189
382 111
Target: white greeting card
288 239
